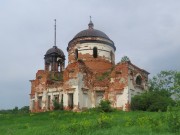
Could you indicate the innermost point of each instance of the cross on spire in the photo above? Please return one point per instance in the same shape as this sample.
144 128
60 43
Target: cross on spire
91 25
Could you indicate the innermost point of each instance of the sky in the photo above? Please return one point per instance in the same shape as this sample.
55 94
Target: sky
147 31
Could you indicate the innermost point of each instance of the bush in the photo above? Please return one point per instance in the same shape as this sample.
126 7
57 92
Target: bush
152 101
105 106
104 121
57 105
24 109
173 119
80 127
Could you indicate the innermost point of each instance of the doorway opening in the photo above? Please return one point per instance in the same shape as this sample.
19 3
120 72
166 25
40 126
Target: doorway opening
85 100
40 102
56 98
99 97
70 100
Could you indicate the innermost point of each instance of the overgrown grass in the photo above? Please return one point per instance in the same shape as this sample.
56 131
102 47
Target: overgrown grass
86 123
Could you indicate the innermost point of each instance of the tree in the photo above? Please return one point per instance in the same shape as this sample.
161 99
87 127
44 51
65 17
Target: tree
152 101
163 88
166 81
125 59
176 86
15 110
24 109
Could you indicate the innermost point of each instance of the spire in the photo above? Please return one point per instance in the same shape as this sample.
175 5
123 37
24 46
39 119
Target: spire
91 25
55 33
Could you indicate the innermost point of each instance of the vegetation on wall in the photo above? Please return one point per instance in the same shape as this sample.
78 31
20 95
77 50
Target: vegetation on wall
125 59
104 76
56 76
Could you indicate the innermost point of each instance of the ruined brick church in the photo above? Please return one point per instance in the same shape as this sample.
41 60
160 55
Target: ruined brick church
90 76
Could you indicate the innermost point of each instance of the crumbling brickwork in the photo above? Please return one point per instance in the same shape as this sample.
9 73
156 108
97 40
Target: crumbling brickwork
90 76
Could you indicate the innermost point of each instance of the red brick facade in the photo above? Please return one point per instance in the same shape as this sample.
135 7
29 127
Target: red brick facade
90 76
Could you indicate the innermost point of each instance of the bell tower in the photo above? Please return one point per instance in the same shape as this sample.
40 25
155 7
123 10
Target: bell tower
54 57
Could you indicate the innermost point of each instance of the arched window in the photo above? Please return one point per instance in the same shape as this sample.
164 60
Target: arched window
76 54
95 53
138 80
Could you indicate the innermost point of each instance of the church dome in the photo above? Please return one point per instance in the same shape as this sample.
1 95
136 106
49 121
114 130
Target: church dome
91 33
55 50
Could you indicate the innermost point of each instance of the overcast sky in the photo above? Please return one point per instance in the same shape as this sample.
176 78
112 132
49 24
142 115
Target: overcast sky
147 31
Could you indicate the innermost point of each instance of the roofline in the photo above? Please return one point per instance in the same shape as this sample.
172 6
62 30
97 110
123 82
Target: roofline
112 45
129 62
139 68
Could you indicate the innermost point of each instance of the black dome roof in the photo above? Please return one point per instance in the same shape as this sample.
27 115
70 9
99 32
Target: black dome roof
55 50
91 33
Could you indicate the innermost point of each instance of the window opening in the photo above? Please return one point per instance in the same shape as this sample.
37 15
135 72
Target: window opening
95 52
138 80
40 102
111 55
49 102
76 54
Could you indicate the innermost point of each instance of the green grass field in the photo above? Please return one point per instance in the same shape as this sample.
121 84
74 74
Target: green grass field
86 123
